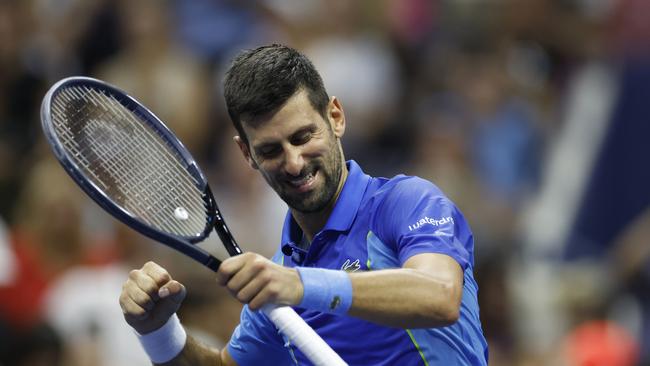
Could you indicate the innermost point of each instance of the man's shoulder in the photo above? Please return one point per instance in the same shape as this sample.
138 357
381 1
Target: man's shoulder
402 195
403 186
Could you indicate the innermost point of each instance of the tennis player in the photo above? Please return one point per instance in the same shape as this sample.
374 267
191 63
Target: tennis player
380 268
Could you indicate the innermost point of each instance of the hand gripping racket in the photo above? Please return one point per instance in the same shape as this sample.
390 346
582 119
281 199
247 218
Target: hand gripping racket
134 167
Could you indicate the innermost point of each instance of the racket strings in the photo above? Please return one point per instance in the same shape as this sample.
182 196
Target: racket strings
133 164
118 187
115 162
167 178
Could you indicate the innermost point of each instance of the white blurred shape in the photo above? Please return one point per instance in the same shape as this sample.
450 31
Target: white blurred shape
7 258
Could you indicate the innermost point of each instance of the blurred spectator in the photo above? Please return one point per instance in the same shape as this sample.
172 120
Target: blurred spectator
600 343
46 241
39 345
631 266
20 93
615 196
69 37
7 257
164 77
213 29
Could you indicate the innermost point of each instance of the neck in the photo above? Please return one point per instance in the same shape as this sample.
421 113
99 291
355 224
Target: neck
313 222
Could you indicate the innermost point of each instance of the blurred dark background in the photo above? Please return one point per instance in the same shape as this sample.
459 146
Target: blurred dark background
532 115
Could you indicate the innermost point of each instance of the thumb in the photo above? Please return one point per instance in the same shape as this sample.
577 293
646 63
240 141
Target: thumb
172 295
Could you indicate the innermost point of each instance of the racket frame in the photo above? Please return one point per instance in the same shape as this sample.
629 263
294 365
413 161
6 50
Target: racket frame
285 318
180 243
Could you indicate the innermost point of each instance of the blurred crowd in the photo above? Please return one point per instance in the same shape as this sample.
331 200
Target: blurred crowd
530 114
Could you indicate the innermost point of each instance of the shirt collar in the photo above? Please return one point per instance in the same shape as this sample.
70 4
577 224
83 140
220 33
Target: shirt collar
345 209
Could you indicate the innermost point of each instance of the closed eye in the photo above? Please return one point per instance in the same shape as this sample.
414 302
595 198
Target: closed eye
304 135
301 138
271 150
268 151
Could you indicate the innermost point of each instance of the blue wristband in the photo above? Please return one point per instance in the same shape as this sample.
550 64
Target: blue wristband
325 290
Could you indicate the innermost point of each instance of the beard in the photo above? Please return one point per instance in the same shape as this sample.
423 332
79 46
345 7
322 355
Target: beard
329 167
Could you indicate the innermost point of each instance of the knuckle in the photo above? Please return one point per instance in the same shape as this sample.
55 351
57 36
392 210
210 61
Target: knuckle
224 271
242 297
138 313
149 288
134 273
273 291
160 275
258 265
143 299
253 305
266 276
232 286
127 290
155 271
221 278
262 262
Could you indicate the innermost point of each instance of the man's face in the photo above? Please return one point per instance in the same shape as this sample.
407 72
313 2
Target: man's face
297 151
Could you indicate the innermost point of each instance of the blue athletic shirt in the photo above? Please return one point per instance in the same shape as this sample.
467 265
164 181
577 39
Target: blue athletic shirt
377 223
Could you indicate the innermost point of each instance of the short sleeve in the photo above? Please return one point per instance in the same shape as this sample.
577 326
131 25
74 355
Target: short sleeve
415 217
256 341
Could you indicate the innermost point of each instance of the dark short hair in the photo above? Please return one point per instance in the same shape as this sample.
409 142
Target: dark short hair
261 80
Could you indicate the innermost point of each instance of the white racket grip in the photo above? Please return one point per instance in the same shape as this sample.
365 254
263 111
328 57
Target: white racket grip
302 336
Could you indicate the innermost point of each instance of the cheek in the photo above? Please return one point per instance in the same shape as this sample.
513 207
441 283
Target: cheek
321 148
268 173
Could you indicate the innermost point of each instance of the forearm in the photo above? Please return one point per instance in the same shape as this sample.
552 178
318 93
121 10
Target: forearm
405 298
194 353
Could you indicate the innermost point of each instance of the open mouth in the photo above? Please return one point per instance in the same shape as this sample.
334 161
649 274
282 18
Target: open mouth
304 183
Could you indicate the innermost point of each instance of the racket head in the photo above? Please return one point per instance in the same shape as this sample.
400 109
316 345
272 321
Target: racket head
130 163
70 157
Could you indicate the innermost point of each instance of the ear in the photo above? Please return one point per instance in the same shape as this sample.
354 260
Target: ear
336 116
243 147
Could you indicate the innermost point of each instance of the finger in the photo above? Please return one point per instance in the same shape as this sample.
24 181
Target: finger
172 301
230 267
251 289
141 298
266 295
132 311
140 279
245 275
173 291
159 275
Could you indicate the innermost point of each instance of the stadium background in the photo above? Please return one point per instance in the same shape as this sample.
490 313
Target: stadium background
530 114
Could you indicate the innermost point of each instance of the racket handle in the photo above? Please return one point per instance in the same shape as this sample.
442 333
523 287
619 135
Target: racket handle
302 336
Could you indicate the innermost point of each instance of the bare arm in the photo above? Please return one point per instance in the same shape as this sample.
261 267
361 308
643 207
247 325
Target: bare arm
196 353
425 293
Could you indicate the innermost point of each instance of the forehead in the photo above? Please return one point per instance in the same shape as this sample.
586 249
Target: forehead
295 114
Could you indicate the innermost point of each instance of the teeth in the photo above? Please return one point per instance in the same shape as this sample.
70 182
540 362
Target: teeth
303 180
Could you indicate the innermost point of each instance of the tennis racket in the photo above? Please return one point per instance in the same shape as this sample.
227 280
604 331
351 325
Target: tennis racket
135 168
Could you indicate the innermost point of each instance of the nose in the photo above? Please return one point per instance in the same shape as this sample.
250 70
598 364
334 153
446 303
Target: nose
294 162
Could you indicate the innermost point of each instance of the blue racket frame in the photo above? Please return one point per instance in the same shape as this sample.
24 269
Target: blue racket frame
180 243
